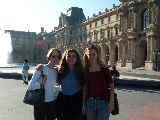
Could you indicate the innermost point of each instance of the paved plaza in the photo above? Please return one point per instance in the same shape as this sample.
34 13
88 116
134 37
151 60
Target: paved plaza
135 103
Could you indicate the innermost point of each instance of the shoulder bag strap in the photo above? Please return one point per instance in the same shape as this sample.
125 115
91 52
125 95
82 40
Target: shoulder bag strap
104 74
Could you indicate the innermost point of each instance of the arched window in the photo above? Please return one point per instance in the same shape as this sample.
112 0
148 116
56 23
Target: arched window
144 19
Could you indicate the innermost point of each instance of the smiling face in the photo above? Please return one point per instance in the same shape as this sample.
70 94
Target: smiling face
71 58
92 56
54 58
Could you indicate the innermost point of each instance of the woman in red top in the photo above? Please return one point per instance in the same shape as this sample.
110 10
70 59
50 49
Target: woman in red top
96 104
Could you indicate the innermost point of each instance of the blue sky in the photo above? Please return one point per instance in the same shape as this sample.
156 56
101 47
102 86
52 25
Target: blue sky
24 15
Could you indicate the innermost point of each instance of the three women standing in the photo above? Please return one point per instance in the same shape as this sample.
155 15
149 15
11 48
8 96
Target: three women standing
72 77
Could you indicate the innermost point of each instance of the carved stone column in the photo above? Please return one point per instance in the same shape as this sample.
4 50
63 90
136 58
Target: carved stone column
135 19
132 50
130 19
152 48
136 51
119 62
120 26
128 50
131 55
158 13
111 54
102 52
149 14
148 48
132 22
127 22
153 13
119 51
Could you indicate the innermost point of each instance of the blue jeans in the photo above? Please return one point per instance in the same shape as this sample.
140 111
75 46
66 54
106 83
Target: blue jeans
96 109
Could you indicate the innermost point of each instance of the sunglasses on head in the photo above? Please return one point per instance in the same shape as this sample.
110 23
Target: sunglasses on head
54 56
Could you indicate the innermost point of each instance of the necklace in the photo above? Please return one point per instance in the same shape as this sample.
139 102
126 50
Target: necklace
96 68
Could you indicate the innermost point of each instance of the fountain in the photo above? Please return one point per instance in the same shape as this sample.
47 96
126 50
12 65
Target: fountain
5 49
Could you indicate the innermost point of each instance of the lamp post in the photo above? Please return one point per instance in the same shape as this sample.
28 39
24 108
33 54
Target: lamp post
107 57
156 52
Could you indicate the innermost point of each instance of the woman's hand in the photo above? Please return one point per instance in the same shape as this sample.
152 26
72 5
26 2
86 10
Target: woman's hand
83 110
43 80
110 107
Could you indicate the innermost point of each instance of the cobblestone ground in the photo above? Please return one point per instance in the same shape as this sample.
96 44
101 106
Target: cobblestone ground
135 103
138 104
11 101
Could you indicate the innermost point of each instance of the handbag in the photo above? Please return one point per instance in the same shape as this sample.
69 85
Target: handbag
116 104
35 97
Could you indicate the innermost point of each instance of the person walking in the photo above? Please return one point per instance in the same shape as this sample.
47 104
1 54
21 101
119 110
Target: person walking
71 78
47 111
25 71
96 104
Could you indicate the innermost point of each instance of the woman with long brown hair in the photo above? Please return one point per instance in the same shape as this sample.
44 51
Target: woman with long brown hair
71 78
96 104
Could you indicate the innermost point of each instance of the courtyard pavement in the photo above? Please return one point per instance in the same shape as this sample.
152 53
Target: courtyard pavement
139 77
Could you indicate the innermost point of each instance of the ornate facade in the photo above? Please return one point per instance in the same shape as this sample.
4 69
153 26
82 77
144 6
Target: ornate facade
126 35
31 46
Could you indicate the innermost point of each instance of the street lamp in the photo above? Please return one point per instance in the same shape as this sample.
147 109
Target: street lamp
156 52
107 57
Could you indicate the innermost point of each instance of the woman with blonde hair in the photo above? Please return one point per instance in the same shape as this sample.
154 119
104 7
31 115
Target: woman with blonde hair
96 104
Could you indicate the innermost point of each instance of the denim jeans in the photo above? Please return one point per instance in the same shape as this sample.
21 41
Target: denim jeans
96 109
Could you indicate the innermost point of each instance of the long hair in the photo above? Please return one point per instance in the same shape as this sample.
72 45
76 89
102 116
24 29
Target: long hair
64 69
86 61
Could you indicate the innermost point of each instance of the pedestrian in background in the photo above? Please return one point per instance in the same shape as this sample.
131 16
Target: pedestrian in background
115 73
47 111
96 104
25 71
71 78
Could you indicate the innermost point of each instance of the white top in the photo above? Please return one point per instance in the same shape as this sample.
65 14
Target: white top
24 65
48 86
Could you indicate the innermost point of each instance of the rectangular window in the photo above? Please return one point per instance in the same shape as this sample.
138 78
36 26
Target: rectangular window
102 22
109 19
70 41
90 25
49 46
81 29
70 31
35 57
108 33
117 17
116 31
96 24
85 28
85 38
81 39
111 34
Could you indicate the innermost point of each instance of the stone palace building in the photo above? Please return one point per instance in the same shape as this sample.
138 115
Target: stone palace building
31 46
126 35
